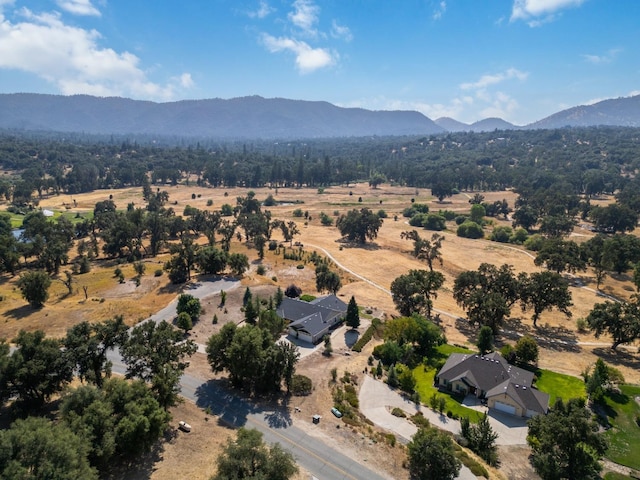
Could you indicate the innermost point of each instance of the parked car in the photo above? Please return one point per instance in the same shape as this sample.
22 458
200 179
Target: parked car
336 412
184 426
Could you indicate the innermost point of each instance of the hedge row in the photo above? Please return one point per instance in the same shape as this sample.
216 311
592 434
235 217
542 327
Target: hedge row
368 334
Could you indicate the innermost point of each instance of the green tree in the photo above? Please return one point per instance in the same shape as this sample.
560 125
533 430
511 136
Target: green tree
36 448
485 340
184 322
239 263
247 457
413 292
190 305
87 345
157 354
353 314
432 455
565 443
560 256
359 225
621 320
542 291
527 350
327 280
423 249
481 438
211 260
34 287
36 370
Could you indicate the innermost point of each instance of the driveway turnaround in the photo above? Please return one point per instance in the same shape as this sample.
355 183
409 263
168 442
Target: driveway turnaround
377 400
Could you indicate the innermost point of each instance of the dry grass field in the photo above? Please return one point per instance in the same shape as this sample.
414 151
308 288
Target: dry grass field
367 274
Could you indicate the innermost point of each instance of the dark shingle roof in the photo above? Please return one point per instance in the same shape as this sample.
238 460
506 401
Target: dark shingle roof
494 375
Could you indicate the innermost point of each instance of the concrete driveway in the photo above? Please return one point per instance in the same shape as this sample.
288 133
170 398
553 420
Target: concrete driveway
375 398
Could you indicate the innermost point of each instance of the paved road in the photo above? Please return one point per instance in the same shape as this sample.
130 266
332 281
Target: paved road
315 456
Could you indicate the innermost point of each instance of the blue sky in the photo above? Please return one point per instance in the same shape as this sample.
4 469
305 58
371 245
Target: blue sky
520 60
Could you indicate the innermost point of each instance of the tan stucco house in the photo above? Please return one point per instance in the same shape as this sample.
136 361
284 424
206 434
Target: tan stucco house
506 387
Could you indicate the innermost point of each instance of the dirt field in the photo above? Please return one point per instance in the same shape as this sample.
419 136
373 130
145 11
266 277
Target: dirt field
379 263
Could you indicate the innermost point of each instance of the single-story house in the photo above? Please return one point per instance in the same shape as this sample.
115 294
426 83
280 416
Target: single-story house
506 387
310 321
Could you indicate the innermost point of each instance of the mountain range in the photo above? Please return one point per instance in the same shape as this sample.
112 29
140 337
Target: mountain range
257 117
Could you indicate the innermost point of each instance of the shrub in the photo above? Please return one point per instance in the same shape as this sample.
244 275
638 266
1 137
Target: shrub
390 438
273 245
269 201
519 236
418 220
382 214
581 325
501 234
470 229
261 270
298 213
534 242
300 266
448 214
367 335
398 412
460 219
307 298
209 202
433 221
157 273
301 385
189 211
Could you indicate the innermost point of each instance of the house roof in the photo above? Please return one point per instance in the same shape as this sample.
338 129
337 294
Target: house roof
312 317
494 375
330 301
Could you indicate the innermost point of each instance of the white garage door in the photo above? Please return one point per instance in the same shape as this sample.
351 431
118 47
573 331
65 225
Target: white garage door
503 407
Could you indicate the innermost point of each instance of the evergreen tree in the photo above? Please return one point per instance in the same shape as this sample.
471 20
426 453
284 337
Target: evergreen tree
353 315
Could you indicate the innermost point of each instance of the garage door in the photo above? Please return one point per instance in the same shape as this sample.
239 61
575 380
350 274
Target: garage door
503 407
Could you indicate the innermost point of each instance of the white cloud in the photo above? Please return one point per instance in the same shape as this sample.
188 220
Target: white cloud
341 31
79 7
263 10
500 105
439 11
308 59
71 59
305 16
599 59
537 12
184 80
488 80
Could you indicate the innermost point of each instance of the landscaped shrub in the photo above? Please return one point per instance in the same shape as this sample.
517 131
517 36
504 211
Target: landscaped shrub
398 412
307 298
376 324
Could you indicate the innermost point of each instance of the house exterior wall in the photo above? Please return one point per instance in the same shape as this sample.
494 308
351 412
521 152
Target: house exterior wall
491 403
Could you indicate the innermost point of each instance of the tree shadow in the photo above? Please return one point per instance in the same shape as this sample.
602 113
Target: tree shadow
466 328
140 466
280 416
21 312
559 339
621 357
231 410
362 246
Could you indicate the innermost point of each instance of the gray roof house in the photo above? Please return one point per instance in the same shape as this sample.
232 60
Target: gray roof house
310 321
506 388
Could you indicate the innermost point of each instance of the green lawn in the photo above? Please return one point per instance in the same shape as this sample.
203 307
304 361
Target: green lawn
616 476
624 437
558 385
